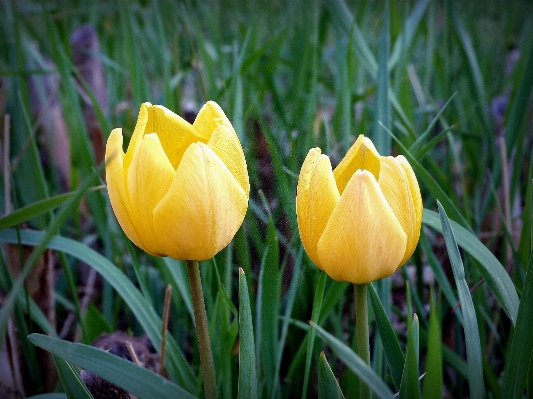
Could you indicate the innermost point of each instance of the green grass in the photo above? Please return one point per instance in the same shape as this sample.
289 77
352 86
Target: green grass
422 80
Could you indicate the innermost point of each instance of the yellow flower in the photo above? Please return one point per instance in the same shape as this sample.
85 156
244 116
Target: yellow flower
180 190
360 222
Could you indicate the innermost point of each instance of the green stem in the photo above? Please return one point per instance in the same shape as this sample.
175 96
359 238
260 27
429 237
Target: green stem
361 324
202 329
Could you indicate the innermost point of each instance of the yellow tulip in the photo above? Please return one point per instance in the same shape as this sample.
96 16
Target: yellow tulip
180 190
361 221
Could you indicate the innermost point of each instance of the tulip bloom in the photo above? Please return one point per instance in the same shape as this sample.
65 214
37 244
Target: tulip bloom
180 190
361 221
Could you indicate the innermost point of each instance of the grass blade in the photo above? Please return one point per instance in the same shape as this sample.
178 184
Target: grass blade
247 367
473 344
355 363
141 382
433 379
521 352
71 381
490 268
328 387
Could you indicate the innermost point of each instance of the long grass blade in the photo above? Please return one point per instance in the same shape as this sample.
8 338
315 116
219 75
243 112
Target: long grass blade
328 386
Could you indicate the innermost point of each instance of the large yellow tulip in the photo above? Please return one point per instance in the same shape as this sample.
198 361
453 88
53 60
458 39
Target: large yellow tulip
361 221
180 190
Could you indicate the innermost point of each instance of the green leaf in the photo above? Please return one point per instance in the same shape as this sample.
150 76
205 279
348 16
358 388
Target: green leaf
49 396
247 366
490 268
410 387
473 345
95 324
391 346
355 363
328 386
145 314
70 378
315 315
433 379
143 383
519 359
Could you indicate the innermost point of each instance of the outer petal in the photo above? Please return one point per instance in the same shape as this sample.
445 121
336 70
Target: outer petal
149 177
316 197
116 186
363 241
203 208
417 201
138 134
208 118
175 133
225 143
362 155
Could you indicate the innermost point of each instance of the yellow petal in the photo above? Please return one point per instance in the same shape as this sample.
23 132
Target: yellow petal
116 186
208 118
225 143
138 134
203 208
148 179
417 202
175 133
362 155
363 241
316 197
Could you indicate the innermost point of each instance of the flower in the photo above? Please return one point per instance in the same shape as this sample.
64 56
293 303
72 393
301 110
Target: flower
180 190
361 221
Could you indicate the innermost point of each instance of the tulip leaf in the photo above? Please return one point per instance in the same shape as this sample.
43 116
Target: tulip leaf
521 352
490 268
141 382
433 378
473 347
355 363
176 363
391 345
70 379
247 366
328 386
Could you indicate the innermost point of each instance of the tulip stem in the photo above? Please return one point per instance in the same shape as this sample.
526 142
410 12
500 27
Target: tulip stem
361 323
202 329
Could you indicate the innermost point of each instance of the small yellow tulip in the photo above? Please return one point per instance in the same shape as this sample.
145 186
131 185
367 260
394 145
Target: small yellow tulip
361 221
180 190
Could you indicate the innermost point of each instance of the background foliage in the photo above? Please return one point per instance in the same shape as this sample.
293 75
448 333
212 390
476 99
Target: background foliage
448 84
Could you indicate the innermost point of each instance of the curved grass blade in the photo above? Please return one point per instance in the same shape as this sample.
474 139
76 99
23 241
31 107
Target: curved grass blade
328 386
247 367
141 382
71 381
473 345
145 314
391 345
490 268
519 360
355 363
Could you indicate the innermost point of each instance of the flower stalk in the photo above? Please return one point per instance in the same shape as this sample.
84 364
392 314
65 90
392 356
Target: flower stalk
202 329
361 324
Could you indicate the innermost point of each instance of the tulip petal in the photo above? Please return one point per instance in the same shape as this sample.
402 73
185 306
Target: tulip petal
362 155
316 197
148 179
225 143
363 241
175 133
208 118
203 208
138 134
116 186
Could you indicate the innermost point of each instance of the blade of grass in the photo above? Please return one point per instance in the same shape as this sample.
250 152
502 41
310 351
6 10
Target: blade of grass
71 381
410 388
433 378
490 268
521 352
355 363
247 366
473 344
328 386
141 382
